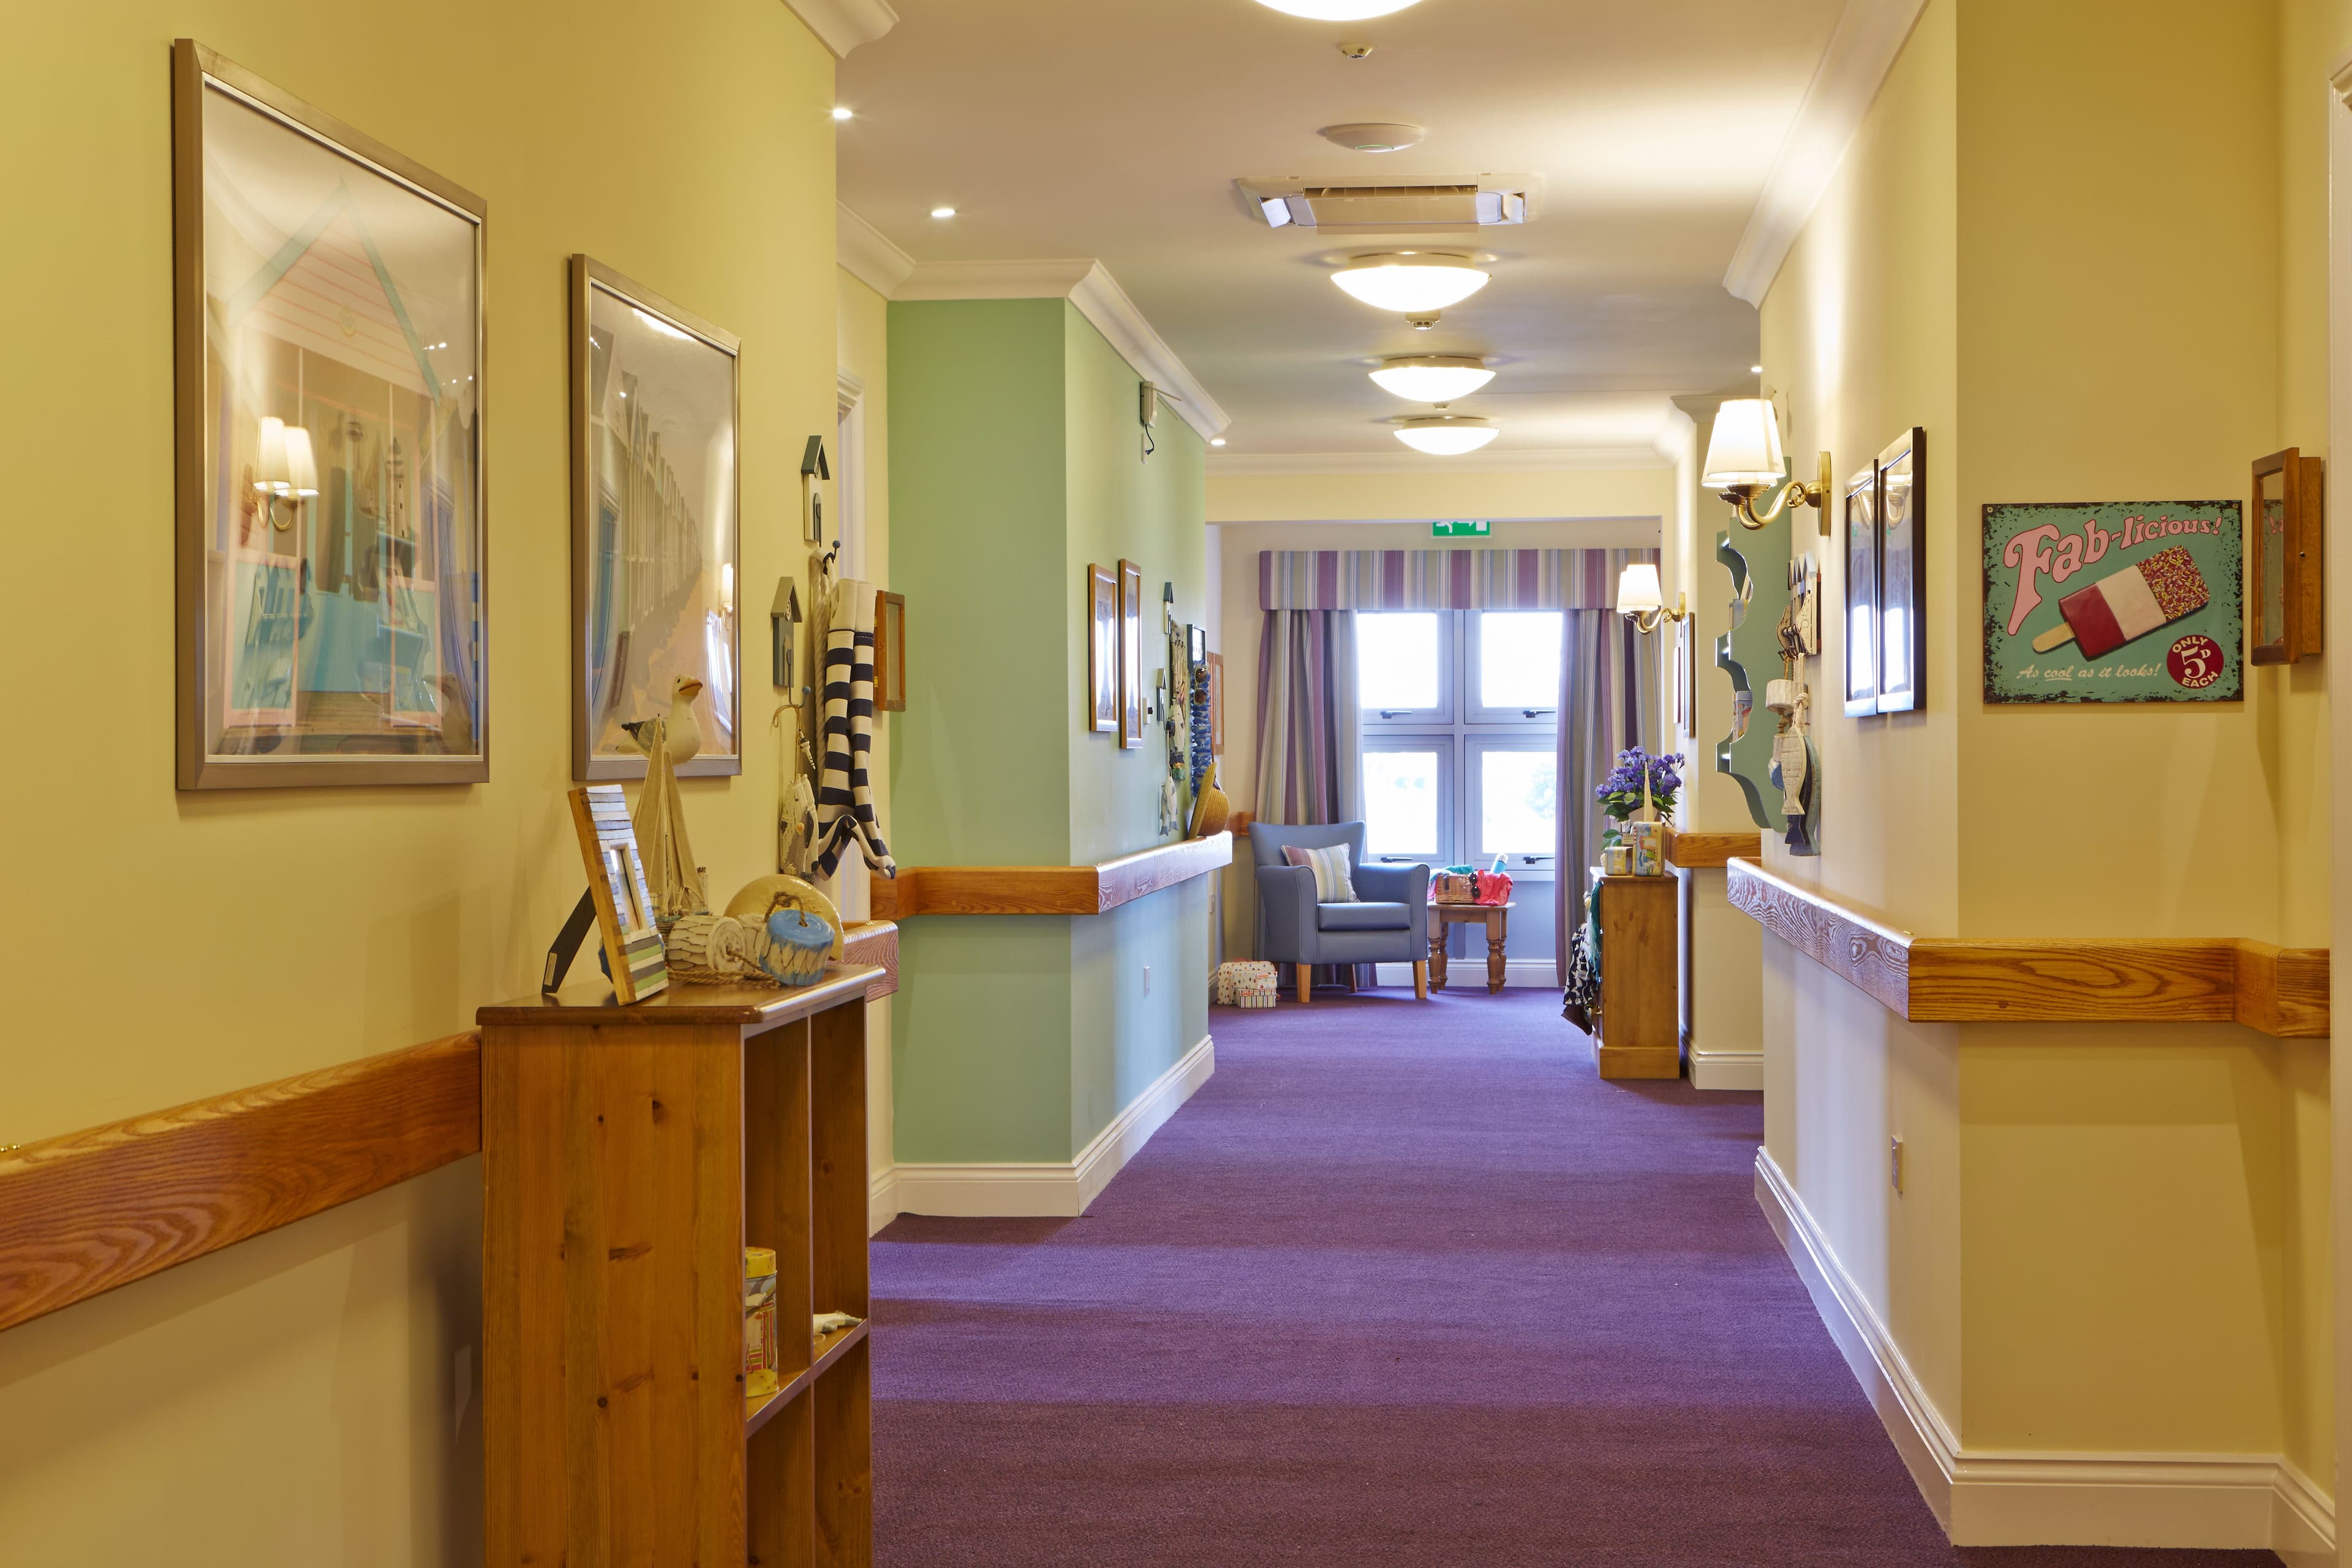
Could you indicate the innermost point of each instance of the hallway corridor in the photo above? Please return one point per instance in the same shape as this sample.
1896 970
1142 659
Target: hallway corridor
1400 1285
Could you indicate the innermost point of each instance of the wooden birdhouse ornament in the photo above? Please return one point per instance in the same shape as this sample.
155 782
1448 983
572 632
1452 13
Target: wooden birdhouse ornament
783 638
814 467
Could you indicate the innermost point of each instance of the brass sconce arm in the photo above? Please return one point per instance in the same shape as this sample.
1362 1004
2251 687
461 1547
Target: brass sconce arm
1648 621
1775 500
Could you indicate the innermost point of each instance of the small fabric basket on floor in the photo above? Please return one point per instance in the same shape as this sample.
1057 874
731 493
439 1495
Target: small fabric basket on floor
1245 983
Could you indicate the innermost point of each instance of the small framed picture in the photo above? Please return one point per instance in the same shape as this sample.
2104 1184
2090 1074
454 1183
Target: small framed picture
1685 680
1902 621
1861 592
2289 534
1196 640
1102 650
616 886
1131 655
889 653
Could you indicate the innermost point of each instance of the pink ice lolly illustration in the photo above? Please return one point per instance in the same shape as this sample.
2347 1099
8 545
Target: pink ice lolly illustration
2129 604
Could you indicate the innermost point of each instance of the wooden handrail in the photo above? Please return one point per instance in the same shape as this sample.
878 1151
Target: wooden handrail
1046 889
1965 979
86 1212
1697 851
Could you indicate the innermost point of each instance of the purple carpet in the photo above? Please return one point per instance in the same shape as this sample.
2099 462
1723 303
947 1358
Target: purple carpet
1401 1284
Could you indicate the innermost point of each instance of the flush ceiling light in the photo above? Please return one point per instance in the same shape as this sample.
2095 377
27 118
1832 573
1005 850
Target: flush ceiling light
943 212
1374 136
1337 10
1446 435
843 112
1433 378
1412 280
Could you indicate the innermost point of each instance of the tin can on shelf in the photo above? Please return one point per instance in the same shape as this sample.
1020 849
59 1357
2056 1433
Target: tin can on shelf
1617 860
759 1342
1647 840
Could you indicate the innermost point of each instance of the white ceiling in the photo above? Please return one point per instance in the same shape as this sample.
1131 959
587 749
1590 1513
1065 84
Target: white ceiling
1114 129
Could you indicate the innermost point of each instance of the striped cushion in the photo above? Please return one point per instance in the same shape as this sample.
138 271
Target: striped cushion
1333 884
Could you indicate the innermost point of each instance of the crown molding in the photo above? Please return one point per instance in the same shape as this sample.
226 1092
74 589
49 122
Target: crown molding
867 254
1087 284
842 25
1861 50
1558 460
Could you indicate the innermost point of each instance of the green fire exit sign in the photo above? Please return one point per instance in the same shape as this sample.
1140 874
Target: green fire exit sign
1461 527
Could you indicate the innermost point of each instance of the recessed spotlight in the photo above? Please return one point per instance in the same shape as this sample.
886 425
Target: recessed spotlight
1756 369
1433 378
1216 440
943 212
1337 10
1446 435
843 112
1412 280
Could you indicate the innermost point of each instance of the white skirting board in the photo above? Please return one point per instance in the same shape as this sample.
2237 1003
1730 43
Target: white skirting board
1046 1191
1984 1497
1727 1070
1470 974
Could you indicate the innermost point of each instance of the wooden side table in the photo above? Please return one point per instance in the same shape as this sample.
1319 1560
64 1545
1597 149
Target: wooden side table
1495 918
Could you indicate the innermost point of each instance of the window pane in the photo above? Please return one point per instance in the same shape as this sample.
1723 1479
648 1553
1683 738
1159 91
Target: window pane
1396 661
1518 804
1518 659
1400 803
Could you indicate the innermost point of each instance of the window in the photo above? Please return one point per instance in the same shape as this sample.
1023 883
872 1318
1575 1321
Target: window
1459 725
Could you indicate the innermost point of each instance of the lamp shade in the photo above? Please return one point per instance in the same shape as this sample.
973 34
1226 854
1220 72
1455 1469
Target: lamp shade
1412 280
1637 590
270 458
1447 435
1745 448
1337 10
301 467
1433 378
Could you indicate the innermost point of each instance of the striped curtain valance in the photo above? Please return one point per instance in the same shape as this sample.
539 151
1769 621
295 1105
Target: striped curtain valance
1442 579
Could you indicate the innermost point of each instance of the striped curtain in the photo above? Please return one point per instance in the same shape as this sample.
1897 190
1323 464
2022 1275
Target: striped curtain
1610 688
1310 741
1441 579
1310 731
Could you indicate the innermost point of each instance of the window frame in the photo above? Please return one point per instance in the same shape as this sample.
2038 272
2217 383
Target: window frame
1523 866
1448 664
1441 741
1462 730
1474 710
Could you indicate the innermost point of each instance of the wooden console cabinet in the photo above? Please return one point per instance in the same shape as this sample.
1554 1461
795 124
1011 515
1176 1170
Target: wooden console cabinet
1639 1031
629 1155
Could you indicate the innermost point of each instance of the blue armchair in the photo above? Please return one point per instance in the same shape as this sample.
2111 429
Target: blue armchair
1390 926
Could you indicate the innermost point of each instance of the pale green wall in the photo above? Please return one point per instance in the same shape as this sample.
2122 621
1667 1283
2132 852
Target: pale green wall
1017 460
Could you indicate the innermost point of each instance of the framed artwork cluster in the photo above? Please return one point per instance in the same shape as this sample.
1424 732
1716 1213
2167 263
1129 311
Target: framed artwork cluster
2290 535
1886 592
330 368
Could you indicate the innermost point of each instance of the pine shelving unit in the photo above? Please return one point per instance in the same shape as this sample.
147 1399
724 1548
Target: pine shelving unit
629 1156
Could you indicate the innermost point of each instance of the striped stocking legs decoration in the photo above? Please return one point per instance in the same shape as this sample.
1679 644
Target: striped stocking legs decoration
845 798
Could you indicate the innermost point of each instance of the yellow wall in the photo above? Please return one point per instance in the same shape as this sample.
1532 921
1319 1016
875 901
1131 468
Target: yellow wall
2111 1239
312 1397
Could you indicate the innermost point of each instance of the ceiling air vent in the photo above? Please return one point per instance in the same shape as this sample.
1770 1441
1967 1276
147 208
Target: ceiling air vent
1389 206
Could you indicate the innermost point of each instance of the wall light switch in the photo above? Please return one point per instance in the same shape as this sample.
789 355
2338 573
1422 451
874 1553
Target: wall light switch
1147 980
1895 1162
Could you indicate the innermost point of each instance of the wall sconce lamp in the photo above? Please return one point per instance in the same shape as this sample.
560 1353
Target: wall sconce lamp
284 470
1641 601
1744 462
